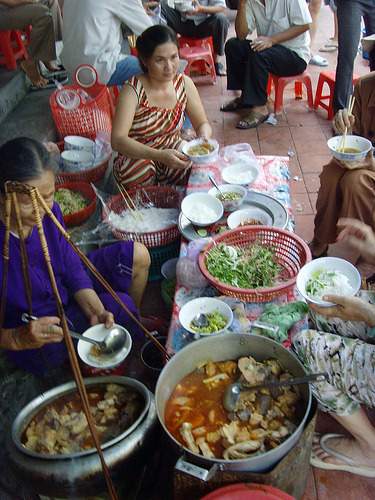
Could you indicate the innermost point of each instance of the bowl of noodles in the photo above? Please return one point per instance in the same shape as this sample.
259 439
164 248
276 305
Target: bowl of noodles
201 150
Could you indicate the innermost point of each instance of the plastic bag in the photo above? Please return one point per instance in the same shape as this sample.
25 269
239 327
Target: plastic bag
188 272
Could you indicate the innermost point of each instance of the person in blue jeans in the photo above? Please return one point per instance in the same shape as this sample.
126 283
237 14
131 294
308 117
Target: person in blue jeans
349 14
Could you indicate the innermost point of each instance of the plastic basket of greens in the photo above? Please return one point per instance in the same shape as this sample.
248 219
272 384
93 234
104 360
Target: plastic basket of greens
254 263
77 201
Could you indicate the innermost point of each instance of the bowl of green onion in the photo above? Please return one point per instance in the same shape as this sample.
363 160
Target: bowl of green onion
230 195
77 201
218 314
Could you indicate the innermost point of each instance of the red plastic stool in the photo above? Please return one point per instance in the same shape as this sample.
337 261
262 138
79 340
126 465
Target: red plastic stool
280 82
328 77
184 41
194 55
12 48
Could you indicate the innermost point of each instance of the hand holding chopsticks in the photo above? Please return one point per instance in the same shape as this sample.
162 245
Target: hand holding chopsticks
350 110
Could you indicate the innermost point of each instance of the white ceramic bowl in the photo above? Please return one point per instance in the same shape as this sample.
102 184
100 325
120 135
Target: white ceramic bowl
243 172
331 264
236 218
74 160
194 205
78 143
98 332
352 141
199 159
229 206
204 305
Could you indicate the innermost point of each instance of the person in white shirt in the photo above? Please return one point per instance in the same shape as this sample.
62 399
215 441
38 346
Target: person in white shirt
207 18
281 47
92 35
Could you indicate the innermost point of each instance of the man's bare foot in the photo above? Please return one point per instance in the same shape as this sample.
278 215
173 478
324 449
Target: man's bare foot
31 69
361 456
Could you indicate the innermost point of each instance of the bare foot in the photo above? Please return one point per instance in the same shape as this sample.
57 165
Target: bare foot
361 456
31 69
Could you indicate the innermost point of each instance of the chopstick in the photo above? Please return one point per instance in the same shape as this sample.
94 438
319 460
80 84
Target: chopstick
129 202
350 109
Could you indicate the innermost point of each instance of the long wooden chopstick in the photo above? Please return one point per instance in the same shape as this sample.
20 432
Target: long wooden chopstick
350 110
129 202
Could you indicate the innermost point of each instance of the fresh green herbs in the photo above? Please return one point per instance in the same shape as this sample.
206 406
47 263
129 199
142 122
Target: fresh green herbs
252 267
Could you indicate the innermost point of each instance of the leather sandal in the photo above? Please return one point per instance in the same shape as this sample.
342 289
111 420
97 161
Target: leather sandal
252 120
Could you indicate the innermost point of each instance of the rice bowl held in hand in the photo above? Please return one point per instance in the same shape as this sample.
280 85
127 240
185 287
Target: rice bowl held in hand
351 148
327 276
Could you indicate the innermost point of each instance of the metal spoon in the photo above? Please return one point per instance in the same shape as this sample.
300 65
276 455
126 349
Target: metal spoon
232 391
113 342
200 320
215 184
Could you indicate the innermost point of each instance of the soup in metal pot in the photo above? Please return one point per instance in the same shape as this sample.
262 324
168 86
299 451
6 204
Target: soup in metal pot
262 419
62 428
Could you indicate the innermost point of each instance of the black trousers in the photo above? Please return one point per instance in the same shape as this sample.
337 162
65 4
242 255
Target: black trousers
349 14
215 25
248 70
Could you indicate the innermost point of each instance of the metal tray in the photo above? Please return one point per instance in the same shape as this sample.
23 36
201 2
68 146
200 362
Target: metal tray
263 201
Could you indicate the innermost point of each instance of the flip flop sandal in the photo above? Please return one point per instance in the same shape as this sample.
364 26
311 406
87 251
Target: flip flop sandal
331 43
51 82
252 120
233 105
46 73
328 48
349 465
220 70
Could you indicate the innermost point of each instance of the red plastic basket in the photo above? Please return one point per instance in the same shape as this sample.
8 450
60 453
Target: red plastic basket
291 252
93 175
89 117
82 215
161 197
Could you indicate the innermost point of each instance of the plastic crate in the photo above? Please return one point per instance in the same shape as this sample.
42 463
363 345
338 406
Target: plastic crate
159 255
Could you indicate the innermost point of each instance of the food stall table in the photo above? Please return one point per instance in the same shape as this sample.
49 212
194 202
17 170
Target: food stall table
273 179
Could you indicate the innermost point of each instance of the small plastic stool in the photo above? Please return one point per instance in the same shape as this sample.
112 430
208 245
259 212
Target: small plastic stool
328 77
12 48
203 55
184 41
280 82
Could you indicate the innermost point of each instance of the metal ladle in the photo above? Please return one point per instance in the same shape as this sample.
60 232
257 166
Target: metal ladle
232 391
113 342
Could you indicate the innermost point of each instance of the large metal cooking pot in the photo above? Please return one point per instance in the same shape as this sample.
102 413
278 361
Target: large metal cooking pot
221 348
80 474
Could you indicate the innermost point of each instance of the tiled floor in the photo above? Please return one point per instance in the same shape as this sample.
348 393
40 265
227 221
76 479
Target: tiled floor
305 133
